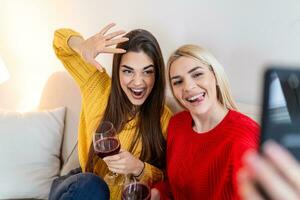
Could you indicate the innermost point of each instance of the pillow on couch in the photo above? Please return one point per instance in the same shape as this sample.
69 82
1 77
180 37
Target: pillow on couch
30 145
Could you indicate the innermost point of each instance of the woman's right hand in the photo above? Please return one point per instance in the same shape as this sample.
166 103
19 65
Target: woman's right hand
101 42
276 171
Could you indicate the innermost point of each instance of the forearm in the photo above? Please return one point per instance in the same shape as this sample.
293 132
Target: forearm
72 61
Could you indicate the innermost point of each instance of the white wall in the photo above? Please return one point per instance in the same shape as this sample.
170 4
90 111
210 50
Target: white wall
243 35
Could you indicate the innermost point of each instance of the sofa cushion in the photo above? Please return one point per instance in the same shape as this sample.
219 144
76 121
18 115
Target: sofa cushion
30 146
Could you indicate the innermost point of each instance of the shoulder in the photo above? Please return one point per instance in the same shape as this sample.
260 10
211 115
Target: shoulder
164 119
180 118
241 121
166 115
178 123
244 130
167 111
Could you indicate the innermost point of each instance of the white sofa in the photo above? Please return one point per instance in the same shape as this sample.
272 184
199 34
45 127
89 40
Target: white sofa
61 90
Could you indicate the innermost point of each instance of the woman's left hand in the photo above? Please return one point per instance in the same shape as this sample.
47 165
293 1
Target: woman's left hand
124 163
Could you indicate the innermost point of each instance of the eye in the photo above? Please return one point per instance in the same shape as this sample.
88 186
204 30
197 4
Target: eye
177 82
148 72
127 71
197 74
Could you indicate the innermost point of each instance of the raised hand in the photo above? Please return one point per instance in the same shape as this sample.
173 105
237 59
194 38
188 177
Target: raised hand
124 163
101 42
276 171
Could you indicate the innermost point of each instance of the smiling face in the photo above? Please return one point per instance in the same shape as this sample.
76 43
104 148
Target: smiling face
137 76
194 85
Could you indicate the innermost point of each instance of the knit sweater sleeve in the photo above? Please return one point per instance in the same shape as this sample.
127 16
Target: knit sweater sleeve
80 70
94 88
248 138
152 174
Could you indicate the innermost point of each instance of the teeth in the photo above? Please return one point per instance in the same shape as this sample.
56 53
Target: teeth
137 90
195 97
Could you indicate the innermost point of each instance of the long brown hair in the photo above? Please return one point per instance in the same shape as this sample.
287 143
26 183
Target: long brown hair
119 109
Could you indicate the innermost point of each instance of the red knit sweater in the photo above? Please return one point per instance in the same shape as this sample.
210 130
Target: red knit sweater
204 166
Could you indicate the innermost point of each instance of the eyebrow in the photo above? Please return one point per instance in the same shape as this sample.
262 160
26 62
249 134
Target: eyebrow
175 77
147 67
192 70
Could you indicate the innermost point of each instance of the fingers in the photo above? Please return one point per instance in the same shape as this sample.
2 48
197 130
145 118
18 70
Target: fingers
118 171
265 174
247 188
117 166
113 50
114 34
115 41
284 162
101 43
120 156
112 158
106 28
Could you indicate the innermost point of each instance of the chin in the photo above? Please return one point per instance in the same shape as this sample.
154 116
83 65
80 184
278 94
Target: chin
137 102
201 110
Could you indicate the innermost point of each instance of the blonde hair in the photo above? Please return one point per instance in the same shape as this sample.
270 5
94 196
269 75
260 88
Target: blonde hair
193 51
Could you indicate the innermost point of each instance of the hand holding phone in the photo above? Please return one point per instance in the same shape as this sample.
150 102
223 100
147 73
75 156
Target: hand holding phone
276 172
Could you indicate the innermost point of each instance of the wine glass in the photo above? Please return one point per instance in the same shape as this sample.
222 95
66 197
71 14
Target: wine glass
135 190
106 143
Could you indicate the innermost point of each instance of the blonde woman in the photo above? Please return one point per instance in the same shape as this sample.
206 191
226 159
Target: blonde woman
205 142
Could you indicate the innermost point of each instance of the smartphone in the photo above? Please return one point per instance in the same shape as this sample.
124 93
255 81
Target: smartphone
281 108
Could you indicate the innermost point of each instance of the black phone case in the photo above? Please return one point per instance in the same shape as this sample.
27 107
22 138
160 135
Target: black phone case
286 134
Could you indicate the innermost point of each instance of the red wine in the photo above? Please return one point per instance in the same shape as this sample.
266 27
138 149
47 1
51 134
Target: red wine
136 191
107 147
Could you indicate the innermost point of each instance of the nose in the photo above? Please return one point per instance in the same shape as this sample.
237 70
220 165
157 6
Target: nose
137 79
189 84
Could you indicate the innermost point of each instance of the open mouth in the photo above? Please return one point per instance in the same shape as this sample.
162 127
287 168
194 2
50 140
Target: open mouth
137 93
196 98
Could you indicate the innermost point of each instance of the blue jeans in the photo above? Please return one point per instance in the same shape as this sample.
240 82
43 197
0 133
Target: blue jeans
79 186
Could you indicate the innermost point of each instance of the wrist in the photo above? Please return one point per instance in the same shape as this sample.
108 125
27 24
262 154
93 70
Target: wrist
75 42
140 169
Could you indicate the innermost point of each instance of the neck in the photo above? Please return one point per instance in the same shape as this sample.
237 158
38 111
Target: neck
209 120
134 110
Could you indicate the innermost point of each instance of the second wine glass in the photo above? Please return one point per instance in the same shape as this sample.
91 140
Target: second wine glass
135 190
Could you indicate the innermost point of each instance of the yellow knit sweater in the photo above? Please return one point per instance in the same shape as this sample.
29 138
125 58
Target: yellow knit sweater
95 90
